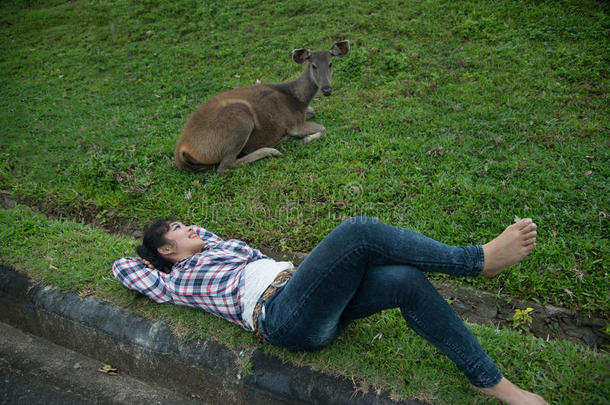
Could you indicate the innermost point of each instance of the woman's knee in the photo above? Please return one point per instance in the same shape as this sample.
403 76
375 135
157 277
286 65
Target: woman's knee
359 228
359 221
404 277
405 285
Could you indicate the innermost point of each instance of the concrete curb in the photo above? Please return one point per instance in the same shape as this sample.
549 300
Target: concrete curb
149 350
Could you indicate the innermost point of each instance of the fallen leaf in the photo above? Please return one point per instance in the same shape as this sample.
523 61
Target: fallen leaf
588 172
108 369
76 365
438 151
53 267
85 292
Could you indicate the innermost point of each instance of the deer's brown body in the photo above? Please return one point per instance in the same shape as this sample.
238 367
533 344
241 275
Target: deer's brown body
242 125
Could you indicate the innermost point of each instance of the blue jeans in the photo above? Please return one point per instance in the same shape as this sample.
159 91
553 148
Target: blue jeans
364 266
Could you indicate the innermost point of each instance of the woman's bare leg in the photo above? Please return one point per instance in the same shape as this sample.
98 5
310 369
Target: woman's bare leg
509 393
510 247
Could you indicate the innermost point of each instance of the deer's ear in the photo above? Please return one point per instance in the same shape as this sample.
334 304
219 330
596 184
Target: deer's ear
340 49
300 55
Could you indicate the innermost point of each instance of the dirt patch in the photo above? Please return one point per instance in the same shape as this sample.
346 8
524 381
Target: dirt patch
548 321
88 213
481 307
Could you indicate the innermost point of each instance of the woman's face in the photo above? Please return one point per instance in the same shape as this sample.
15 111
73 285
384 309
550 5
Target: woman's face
182 240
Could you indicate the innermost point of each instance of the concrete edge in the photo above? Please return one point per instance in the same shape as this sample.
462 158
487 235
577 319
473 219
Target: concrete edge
150 351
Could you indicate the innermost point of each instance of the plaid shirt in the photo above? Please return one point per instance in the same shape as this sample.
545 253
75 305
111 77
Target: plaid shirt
211 280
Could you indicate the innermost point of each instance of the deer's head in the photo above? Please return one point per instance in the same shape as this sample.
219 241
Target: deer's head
320 64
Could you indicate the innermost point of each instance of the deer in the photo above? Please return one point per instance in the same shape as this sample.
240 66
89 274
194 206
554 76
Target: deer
242 125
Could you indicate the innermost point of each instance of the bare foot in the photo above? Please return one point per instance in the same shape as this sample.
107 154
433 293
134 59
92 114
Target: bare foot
509 393
510 247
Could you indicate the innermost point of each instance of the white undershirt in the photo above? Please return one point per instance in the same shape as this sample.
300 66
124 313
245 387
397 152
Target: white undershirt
258 276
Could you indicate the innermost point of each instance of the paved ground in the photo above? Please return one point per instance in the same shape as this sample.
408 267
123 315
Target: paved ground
35 371
15 388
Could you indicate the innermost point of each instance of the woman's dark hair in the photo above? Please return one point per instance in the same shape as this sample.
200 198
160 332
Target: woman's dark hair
154 238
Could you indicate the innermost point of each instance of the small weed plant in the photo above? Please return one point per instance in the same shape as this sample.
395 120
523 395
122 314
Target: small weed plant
522 318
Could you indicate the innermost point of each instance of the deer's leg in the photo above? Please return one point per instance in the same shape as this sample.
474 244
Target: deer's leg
309 113
232 161
235 124
258 154
308 131
226 163
307 128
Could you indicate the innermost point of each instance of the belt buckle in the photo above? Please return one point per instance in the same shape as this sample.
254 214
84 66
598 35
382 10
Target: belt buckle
278 285
284 274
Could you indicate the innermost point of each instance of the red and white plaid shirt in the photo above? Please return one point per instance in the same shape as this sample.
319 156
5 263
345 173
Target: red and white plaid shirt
211 280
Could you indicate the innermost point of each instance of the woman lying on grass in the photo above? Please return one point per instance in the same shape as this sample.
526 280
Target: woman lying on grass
360 268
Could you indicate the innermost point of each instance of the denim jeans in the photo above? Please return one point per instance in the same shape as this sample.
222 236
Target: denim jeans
364 266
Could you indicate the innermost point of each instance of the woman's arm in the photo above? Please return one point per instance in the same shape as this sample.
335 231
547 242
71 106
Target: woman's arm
245 249
212 239
134 274
206 235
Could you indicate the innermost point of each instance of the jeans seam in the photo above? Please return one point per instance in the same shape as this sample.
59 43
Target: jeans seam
480 262
471 365
419 264
419 324
393 305
490 381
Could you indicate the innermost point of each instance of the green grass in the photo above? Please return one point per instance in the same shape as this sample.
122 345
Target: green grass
376 352
447 117
450 118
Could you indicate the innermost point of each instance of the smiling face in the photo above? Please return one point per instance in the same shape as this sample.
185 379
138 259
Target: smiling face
182 242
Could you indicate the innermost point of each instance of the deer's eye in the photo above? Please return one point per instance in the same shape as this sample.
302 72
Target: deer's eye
314 66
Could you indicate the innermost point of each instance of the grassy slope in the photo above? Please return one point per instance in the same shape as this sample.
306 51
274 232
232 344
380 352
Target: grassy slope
94 95
377 352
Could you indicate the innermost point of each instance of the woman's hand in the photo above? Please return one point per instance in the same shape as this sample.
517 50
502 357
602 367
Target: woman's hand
148 264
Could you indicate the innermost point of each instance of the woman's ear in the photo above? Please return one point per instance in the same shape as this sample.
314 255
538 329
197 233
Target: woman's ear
166 250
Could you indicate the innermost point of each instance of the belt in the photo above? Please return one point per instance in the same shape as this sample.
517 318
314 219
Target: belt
280 280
